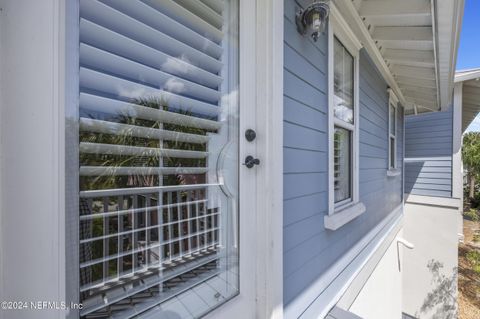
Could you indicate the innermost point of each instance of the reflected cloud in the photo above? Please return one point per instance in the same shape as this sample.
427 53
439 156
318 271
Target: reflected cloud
174 86
229 101
132 93
180 65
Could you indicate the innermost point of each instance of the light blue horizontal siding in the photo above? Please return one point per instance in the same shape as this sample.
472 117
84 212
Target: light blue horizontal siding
310 249
428 154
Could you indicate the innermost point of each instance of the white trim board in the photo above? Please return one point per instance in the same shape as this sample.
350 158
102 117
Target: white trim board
467 75
324 293
342 217
341 214
433 201
457 174
261 70
392 101
269 181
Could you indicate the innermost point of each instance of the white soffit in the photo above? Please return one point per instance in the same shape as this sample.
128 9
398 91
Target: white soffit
417 40
470 95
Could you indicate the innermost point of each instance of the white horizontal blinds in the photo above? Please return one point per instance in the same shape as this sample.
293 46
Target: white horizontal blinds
342 164
392 134
154 225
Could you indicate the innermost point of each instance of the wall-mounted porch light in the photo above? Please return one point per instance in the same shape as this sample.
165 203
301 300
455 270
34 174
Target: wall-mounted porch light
313 19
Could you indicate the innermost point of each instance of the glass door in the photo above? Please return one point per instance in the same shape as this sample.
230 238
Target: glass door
158 157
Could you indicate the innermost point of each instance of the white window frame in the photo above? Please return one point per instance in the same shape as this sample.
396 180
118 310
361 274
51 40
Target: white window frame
392 101
341 213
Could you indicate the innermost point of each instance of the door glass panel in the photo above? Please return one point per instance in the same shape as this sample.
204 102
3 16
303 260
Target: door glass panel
158 147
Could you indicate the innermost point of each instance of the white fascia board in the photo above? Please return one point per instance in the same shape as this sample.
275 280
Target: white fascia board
449 23
463 76
350 14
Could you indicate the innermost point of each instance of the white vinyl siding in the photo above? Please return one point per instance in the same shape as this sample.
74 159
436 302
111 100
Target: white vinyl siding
158 101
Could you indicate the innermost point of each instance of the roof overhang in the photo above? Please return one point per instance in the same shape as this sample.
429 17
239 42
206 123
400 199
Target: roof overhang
469 82
414 45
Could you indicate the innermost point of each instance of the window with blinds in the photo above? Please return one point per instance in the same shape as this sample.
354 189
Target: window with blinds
392 139
343 106
158 147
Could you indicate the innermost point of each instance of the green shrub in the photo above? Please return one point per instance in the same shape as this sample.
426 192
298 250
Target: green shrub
476 236
476 269
473 257
471 214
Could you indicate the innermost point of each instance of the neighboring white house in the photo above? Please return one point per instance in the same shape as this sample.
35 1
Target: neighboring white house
231 158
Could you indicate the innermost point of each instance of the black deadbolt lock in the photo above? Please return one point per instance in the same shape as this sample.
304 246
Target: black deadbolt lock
251 162
250 135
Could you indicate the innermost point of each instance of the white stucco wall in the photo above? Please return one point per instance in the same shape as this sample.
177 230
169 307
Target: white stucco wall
433 231
31 149
381 296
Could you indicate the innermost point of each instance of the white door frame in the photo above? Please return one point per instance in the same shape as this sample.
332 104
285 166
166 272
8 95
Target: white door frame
261 187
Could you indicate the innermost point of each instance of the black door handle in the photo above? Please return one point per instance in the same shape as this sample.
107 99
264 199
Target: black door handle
251 162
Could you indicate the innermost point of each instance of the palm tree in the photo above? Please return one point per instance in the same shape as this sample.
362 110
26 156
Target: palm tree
471 159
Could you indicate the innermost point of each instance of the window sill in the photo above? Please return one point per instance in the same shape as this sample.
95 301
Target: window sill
342 217
393 172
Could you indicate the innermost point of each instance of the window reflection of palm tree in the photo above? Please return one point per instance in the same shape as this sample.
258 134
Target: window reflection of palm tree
147 158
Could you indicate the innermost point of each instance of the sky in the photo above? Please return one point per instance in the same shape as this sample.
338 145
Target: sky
469 50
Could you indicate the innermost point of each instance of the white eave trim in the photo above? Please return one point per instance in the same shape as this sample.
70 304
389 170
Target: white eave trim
349 39
351 15
467 75
449 19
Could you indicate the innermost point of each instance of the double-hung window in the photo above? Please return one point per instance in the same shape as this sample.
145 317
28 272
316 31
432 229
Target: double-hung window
392 134
343 99
344 124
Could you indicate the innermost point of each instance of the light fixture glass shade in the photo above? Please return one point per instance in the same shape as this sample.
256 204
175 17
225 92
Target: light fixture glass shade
313 18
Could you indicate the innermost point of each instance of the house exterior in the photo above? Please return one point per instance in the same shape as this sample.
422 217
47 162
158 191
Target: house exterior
220 159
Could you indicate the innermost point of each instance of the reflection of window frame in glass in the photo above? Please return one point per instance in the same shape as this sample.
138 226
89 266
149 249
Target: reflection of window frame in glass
339 30
392 153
